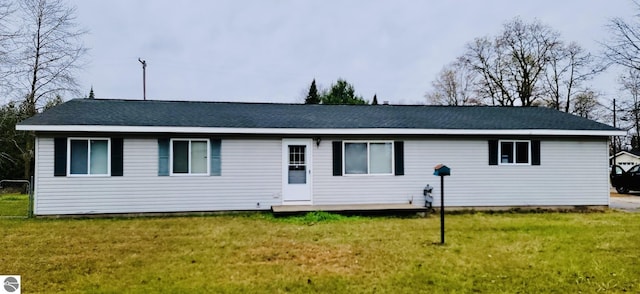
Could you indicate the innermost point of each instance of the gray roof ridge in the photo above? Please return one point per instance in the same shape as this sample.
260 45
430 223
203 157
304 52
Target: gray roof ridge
294 103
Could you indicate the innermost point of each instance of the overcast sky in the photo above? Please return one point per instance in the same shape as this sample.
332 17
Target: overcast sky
269 51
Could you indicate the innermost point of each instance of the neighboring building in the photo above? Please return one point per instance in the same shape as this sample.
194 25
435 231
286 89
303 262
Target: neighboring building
626 159
123 156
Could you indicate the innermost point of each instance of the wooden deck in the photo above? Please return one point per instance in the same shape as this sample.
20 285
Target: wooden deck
349 209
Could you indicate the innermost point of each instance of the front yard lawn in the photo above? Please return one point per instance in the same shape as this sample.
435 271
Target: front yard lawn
488 253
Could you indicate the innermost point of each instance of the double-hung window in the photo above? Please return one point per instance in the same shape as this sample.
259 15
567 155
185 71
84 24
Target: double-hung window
190 156
368 158
515 152
89 156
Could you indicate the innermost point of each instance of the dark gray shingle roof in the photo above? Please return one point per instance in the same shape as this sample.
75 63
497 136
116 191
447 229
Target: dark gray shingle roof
266 115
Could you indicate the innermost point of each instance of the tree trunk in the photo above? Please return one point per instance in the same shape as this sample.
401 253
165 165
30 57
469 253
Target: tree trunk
27 157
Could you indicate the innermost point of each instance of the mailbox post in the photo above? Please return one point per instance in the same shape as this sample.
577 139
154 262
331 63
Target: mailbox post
441 171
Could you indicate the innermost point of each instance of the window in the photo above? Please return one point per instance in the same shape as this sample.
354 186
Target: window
297 164
89 156
368 158
190 156
515 152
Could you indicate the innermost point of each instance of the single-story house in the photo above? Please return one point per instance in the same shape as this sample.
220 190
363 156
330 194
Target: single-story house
626 159
95 156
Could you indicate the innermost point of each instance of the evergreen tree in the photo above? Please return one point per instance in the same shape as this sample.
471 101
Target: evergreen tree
12 142
341 93
313 97
375 100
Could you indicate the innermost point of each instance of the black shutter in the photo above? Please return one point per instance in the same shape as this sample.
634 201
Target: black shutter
398 150
337 158
116 156
535 152
60 157
493 152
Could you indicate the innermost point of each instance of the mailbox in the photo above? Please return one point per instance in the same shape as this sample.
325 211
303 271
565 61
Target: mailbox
441 170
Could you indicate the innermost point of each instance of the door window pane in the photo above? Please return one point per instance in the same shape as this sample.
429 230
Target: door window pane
297 167
297 174
98 163
355 158
79 157
380 158
297 154
180 157
198 157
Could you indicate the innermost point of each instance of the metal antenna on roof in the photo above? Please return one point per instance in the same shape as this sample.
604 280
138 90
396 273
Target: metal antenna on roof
144 78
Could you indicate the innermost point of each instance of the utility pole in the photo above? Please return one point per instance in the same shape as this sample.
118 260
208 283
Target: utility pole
614 137
144 78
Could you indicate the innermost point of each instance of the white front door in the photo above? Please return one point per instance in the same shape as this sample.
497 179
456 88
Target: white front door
296 171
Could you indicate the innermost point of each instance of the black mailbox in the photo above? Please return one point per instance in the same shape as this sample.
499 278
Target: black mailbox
441 170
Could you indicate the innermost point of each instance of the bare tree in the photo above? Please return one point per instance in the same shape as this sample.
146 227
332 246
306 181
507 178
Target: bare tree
623 46
585 104
530 46
50 55
7 38
483 57
512 64
8 159
568 68
454 85
630 105
52 51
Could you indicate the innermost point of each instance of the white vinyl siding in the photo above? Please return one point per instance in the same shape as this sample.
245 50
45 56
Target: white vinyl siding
140 189
253 169
560 180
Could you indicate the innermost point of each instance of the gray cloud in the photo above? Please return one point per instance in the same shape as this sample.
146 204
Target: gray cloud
271 50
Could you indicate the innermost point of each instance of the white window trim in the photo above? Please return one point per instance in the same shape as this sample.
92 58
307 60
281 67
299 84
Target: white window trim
190 174
344 153
88 139
514 152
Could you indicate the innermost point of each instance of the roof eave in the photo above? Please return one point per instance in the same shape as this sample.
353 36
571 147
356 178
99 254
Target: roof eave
315 131
624 152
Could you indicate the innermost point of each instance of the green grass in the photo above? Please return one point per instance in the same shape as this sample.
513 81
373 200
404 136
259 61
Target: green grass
14 205
314 217
487 253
